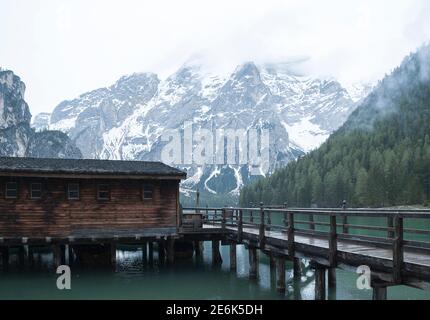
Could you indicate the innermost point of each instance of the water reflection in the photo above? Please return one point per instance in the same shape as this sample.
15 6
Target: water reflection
186 279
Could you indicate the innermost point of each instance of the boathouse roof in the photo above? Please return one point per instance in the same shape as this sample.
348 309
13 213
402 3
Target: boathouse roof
87 167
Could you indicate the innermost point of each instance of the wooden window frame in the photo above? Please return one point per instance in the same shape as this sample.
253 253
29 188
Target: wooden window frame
148 185
6 190
78 191
32 197
108 191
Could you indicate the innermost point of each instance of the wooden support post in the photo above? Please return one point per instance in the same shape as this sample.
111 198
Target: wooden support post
63 254
320 282
216 255
151 253
379 291
331 277
251 217
240 227
56 250
311 222
332 241
261 236
272 267
280 271
30 257
198 249
170 250
161 252
21 256
332 252
224 218
233 261
5 258
398 254
390 225
144 253
71 255
253 263
113 255
345 228
291 235
297 270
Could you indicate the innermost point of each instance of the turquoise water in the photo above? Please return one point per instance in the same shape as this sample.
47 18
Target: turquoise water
185 280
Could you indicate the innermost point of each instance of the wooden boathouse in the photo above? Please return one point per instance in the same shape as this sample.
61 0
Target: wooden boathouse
72 201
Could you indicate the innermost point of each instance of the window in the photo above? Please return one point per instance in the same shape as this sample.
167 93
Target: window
73 191
103 192
11 190
148 192
36 191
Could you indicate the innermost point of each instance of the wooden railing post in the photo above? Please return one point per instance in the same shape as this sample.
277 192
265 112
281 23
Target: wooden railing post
390 225
291 235
251 217
269 220
398 256
262 226
333 241
224 218
311 222
332 252
345 228
285 216
240 227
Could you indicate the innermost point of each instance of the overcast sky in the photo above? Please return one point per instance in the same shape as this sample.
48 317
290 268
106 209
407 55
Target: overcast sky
62 48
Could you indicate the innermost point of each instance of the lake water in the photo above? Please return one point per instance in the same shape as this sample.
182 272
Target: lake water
185 280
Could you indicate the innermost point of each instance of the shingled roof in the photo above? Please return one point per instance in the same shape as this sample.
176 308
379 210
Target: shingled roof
87 166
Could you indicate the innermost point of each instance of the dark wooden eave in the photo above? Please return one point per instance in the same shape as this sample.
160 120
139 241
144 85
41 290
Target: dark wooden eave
88 169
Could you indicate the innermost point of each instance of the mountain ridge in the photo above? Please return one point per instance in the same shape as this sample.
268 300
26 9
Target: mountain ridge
379 157
127 119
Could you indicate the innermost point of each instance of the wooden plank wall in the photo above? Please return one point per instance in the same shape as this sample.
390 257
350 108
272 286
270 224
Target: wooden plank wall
56 216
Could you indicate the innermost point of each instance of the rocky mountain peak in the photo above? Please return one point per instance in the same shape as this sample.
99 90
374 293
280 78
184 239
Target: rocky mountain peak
13 109
17 138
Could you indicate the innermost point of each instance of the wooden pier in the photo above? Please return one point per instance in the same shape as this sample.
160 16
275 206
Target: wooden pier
80 207
328 238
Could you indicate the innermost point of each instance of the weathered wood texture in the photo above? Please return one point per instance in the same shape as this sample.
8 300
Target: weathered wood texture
55 216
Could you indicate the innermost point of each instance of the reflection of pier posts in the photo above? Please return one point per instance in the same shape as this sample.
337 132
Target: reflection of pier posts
216 255
5 257
233 257
150 253
170 250
56 250
297 270
272 264
379 290
144 253
253 263
320 288
113 255
280 270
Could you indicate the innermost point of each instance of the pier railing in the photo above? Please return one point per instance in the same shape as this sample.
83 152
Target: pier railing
385 228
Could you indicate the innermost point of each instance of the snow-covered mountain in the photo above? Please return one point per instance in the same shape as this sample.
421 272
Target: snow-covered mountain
127 120
17 138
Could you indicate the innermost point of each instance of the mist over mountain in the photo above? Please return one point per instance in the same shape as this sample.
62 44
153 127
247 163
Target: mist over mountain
128 119
17 138
379 157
